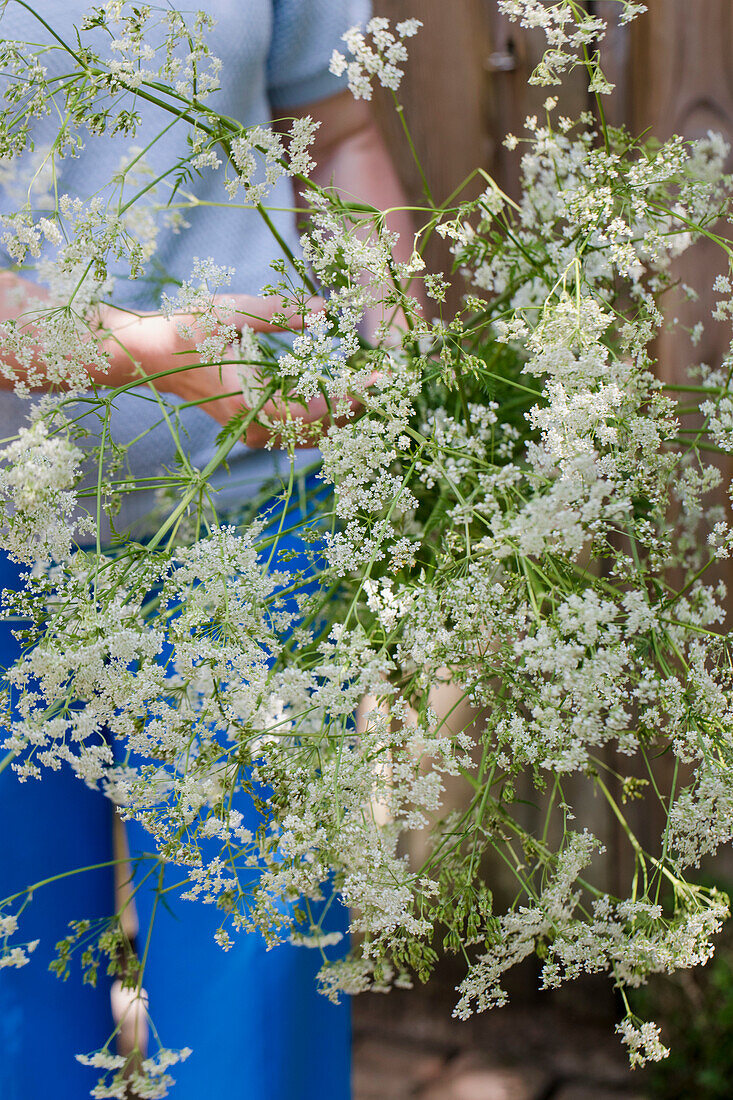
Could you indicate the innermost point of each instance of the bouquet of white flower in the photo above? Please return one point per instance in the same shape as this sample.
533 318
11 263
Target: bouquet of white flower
511 502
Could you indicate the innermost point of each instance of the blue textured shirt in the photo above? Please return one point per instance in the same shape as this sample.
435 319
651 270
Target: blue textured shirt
275 55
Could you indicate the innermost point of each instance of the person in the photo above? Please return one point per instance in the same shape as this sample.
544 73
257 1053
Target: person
257 1025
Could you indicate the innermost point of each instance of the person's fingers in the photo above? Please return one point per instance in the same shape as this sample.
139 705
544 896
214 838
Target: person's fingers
258 313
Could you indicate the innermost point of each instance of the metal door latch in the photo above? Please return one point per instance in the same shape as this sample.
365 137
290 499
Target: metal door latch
502 61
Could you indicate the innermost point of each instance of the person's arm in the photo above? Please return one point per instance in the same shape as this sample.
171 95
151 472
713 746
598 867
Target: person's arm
140 345
351 156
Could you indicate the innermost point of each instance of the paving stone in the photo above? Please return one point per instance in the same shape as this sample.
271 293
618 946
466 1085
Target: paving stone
407 1047
392 1071
580 1090
598 1060
471 1078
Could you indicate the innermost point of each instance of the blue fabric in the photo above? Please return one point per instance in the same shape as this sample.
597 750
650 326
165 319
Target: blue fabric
304 35
258 1028
47 828
296 1043
257 1025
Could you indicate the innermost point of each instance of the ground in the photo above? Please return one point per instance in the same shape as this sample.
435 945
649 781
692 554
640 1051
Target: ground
407 1047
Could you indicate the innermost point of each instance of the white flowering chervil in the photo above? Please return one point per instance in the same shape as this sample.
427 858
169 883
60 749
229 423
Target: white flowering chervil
378 53
512 508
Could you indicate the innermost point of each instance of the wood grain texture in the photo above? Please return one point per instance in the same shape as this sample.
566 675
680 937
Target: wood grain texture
512 98
444 95
680 83
466 86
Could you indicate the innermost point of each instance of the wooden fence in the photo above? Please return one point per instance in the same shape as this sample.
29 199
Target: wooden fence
466 86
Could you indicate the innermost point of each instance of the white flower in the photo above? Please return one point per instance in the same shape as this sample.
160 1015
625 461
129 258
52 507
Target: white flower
379 58
643 1041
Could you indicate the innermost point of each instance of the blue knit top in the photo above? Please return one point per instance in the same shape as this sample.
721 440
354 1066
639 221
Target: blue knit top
275 55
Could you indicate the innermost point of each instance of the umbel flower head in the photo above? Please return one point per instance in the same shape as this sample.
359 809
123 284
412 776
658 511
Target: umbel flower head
512 510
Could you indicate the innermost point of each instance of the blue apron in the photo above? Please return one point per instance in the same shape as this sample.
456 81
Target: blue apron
258 1028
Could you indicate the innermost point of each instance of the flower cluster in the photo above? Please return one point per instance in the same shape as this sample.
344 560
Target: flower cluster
643 1042
38 475
147 1076
519 512
261 157
378 56
13 955
569 31
191 72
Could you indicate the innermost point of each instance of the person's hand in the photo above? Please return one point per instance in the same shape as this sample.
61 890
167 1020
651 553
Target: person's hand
156 347
143 345
163 351
226 379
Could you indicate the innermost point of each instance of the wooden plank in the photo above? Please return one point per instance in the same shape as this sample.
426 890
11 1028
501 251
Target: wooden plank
466 86
444 94
514 54
615 62
680 82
